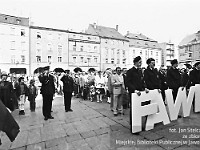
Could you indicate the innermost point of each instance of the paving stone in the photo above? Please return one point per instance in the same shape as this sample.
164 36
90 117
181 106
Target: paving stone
88 134
21 140
69 129
102 131
153 136
108 121
20 148
38 146
81 126
80 144
116 127
99 122
74 137
55 142
34 136
92 141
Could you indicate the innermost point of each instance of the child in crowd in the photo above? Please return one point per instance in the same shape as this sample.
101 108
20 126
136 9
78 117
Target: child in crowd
32 94
22 93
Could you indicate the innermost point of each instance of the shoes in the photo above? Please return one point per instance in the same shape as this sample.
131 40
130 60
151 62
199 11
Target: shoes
45 118
70 110
115 114
50 117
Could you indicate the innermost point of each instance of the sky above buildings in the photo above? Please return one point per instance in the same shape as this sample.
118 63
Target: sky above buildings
161 20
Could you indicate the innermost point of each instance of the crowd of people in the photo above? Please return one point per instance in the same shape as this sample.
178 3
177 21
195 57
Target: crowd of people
112 85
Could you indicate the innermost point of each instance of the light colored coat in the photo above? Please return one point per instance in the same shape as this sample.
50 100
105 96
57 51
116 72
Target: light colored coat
117 82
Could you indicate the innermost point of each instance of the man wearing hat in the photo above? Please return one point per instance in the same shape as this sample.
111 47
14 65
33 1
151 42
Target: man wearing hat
134 81
47 91
68 88
194 76
174 78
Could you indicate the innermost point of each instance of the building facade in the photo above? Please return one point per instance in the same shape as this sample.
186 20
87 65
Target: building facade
113 46
189 49
168 53
84 51
140 45
48 47
14 44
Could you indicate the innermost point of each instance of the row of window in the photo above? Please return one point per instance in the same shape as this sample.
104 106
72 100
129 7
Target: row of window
146 52
13 31
114 42
112 61
49 59
85 60
13 45
13 59
82 48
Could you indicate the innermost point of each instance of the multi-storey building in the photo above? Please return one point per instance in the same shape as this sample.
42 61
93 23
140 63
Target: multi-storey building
168 53
48 46
84 51
189 49
14 44
114 47
140 45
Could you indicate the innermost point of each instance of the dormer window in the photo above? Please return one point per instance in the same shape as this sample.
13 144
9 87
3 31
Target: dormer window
18 21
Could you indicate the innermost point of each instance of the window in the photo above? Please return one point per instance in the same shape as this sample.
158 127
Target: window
95 48
151 52
146 52
106 41
74 59
89 38
95 60
22 32
22 59
133 52
82 59
124 61
49 47
38 58
13 59
81 37
89 60
156 53
156 60
190 54
74 47
12 45
49 59
38 35
59 50
50 36
106 60
118 61
59 59
23 46
140 52
81 49
124 52
12 30
59 36
112 61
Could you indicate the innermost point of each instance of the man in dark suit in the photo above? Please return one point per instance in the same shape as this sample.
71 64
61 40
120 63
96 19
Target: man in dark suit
135 82
151 76
174 78
47 91
68 88
194 76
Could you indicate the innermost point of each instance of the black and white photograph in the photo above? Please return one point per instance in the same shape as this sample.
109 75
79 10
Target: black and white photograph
99 75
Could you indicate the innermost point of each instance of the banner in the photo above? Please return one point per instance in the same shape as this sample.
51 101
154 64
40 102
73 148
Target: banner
157 112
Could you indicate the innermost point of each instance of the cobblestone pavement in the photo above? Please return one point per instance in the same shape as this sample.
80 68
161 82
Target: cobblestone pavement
92 126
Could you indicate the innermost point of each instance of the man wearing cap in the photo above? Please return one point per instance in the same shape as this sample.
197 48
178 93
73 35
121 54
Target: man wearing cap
68 88
134 81
194 76
174 78
47 91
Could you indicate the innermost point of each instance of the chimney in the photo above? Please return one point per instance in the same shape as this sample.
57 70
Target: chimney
95 25
117 26
128 32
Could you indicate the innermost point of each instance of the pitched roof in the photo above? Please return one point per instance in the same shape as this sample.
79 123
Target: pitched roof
140 40
188 39
105 32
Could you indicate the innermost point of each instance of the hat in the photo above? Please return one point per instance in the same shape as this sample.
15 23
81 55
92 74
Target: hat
3 73
136 59
196 64
175 61
46 68
188 66
150 60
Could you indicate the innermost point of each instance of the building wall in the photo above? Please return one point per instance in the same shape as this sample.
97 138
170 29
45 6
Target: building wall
84 51
114 53
48 43
145 53
14 46
168 53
